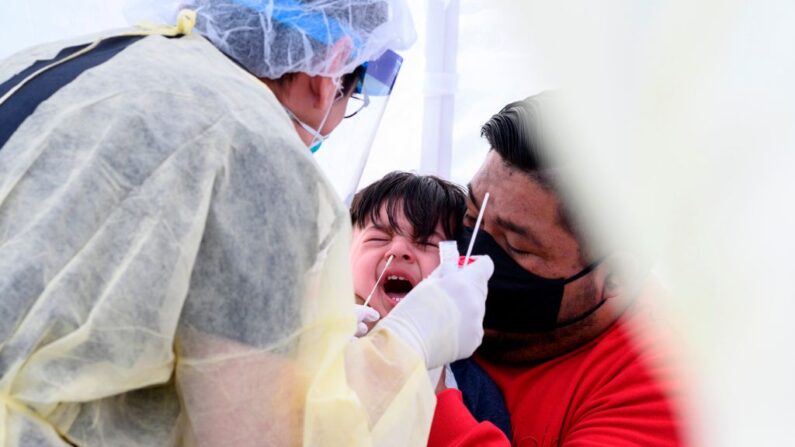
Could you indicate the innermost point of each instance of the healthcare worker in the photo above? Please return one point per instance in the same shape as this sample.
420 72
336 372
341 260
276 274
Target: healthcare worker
174 267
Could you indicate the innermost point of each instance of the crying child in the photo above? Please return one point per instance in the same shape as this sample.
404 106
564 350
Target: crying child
403 216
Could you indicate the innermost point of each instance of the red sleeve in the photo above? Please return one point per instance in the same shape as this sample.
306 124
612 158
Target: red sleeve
453 425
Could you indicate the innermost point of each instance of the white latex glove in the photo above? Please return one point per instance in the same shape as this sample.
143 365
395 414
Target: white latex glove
364 315
442 317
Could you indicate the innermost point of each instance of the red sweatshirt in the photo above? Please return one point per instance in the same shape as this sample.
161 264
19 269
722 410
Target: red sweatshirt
613 391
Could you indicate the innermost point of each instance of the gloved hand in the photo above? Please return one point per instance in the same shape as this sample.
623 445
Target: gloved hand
364 315
442 317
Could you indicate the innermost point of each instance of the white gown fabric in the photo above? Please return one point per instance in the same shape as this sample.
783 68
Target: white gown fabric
174 270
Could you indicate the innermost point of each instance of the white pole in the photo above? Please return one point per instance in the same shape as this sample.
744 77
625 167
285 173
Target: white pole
441 82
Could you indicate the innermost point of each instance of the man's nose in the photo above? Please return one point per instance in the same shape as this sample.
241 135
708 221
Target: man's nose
401 248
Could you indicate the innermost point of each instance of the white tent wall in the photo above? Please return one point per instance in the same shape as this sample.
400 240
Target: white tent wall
441 80
432 124
24 23
498 63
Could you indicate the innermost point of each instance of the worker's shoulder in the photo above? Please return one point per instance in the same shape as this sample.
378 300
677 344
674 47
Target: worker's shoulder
185 76
145 69
189 67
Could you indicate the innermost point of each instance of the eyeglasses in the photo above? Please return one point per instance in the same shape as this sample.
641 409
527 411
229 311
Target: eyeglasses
356 103
359 98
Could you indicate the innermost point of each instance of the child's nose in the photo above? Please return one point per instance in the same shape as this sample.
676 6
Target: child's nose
401 249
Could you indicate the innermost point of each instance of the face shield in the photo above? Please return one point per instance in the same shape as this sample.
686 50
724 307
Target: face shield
345 153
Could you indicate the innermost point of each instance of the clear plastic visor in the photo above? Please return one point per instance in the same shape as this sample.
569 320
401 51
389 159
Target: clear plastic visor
345 153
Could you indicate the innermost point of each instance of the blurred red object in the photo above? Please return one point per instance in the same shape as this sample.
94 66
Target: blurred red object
461 260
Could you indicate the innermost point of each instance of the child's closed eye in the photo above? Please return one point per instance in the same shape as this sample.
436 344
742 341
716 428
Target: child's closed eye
376 236
377 239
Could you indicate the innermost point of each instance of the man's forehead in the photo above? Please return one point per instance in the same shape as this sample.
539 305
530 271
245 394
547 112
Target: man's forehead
516 197
494 172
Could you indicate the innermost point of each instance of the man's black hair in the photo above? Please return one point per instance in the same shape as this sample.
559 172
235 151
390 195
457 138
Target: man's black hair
519 134
425 200
515 133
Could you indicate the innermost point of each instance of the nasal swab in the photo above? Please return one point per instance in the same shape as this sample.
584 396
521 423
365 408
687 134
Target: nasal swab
477 227
388 261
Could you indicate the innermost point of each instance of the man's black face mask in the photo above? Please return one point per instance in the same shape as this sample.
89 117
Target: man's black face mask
520 301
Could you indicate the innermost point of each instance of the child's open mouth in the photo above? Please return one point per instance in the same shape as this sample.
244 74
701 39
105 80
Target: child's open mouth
396 287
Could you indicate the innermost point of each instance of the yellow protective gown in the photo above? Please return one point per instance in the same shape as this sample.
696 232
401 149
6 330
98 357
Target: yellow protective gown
174 270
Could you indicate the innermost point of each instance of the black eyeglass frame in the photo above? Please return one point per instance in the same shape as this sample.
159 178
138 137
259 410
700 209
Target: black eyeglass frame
365 101
355 81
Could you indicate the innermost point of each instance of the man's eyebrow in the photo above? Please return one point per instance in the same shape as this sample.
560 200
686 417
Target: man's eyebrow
520 230
472 196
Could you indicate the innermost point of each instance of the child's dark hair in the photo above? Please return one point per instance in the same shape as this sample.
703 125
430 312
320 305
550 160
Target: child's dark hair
425 200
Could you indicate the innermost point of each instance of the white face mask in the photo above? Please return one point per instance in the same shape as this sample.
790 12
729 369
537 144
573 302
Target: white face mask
317 137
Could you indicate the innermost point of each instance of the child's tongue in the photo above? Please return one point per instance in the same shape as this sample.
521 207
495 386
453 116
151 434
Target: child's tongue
396 296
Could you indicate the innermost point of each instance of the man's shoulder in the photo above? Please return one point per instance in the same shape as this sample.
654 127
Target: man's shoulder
643 330
631 374
632 368
638 338
626 380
